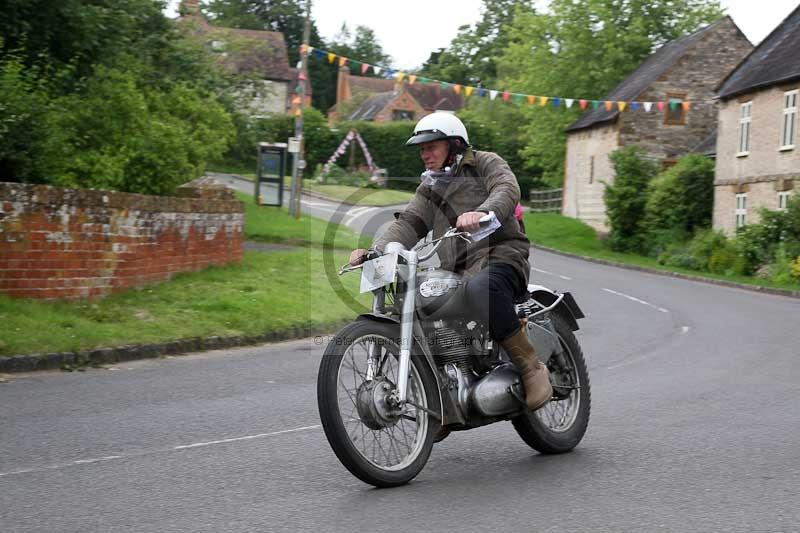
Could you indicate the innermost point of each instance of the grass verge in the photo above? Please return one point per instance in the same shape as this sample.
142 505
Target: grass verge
573 236
272 224
265 293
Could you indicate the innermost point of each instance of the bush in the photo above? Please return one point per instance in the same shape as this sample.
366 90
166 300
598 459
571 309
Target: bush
127 138
680 200
626 198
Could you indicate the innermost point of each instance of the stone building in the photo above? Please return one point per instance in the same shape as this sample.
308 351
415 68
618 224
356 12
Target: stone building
684 70
384 100
258 55
758 157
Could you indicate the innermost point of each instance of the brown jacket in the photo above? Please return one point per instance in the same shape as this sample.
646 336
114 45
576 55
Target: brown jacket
482 182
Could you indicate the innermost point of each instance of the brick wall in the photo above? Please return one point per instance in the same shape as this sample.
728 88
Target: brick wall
765 169
696 75
80 243
403 102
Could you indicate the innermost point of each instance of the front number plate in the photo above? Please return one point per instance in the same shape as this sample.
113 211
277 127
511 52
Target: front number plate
378 272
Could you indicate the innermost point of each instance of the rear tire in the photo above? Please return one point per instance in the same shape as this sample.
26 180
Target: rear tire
560 425
378 445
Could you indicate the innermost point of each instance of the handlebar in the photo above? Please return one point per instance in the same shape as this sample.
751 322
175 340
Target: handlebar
450 233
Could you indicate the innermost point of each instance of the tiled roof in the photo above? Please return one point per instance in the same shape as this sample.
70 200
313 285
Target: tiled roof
372 106
429 96
643 77
373 85
708 146
433 97
775 60
268 56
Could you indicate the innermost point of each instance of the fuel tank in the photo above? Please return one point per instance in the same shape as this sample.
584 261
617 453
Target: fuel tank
440 295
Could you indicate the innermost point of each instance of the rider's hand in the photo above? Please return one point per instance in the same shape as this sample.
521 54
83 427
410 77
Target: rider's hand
357 256
470 221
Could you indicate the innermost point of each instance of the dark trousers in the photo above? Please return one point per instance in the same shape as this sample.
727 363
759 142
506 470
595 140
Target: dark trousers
490 297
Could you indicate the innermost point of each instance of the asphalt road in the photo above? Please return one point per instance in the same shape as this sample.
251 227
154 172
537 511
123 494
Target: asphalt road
695 427
361 219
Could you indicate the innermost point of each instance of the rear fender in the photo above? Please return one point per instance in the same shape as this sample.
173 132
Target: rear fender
568 308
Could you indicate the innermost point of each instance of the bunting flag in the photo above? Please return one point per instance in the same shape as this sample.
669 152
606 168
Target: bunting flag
507 96
352 134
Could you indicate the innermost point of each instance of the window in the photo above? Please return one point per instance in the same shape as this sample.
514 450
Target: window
674 113
741 209
783 200
745 118
402 114
788 126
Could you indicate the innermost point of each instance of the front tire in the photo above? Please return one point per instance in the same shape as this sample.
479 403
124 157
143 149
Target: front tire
379 444
559 425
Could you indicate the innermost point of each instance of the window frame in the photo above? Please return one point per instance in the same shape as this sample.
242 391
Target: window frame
681 118
789 133
745 125
740 212
783 200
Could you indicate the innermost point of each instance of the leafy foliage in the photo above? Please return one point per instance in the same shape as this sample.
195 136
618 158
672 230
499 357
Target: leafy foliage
472 55
626 198
582 49
680 201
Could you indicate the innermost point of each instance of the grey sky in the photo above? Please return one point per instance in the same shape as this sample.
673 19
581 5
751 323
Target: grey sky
410 30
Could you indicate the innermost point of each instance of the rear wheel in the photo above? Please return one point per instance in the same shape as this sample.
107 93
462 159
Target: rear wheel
560 425
380 443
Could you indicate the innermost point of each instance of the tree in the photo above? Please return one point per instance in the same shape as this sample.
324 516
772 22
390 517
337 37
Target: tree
626 198
471 56
582 49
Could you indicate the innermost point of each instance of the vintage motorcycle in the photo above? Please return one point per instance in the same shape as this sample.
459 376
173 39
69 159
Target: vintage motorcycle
402 377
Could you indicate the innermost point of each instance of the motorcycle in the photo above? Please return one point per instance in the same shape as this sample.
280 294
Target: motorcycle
403 376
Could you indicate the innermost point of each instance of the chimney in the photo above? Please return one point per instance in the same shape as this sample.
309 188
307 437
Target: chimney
189 8
343 85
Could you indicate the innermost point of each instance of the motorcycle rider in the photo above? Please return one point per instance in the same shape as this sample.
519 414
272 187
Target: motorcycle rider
459 186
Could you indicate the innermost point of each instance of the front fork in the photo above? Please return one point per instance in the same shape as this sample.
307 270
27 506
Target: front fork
408 273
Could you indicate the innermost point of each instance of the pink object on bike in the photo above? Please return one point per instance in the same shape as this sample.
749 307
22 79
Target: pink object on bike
518 212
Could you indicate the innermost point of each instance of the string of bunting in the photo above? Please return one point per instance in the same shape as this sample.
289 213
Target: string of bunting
467 90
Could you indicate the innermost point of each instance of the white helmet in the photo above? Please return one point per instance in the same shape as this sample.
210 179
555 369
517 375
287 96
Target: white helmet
436 126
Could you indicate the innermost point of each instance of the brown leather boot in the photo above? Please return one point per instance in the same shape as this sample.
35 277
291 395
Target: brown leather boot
535 376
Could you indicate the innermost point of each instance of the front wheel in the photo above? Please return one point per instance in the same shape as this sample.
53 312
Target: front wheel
378 442
560 425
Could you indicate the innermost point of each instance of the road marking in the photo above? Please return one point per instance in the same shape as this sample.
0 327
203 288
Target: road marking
149 452
637 300
550 273
247 437
685 329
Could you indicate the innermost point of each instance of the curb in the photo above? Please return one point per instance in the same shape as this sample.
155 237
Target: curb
753 288
319 196
131 352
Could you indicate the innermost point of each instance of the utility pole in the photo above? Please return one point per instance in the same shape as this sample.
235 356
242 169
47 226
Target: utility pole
297 169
